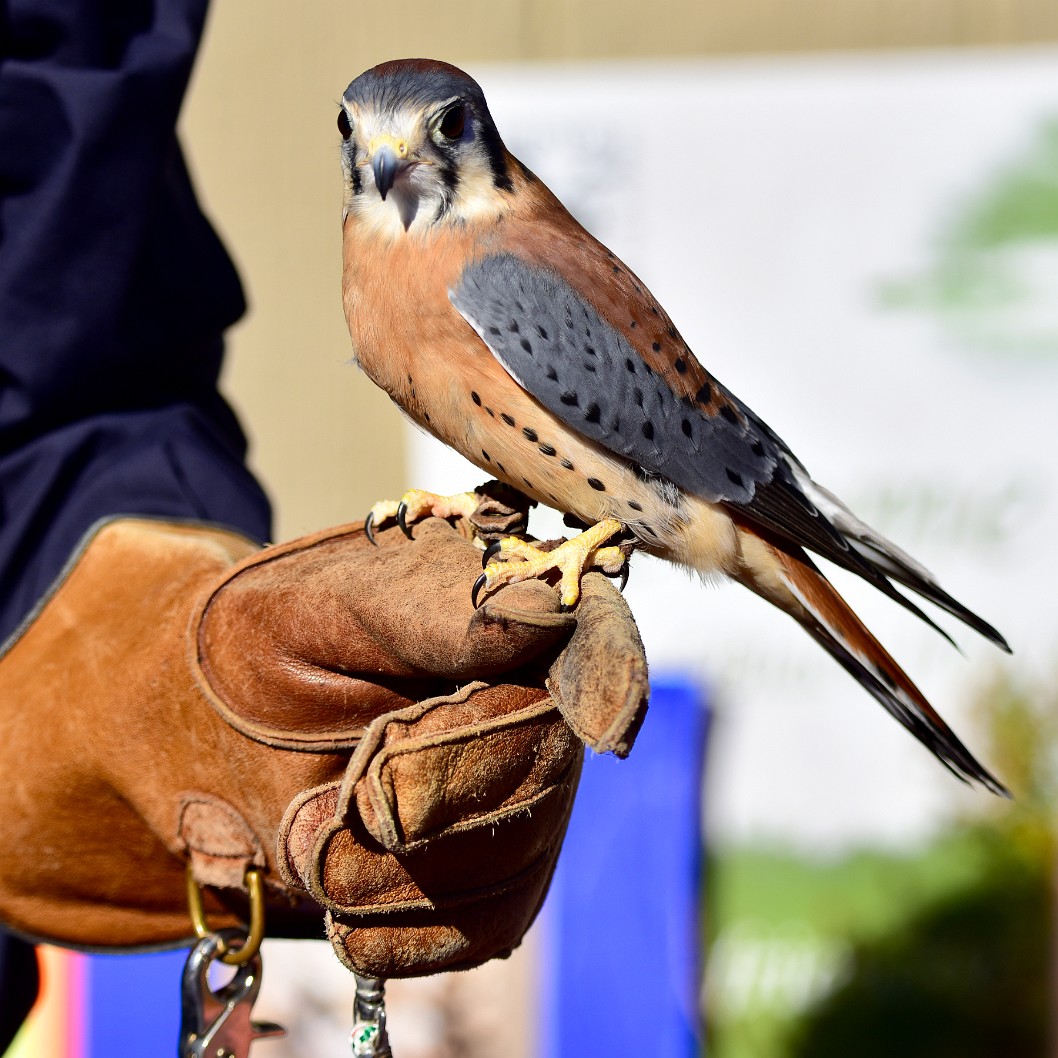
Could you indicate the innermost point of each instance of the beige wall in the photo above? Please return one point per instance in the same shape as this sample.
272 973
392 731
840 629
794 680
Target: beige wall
259 128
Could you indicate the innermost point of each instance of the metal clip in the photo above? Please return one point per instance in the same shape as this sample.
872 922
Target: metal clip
218 1024
369 1038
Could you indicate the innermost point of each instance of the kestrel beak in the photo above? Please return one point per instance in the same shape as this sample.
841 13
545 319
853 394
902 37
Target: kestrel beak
389 158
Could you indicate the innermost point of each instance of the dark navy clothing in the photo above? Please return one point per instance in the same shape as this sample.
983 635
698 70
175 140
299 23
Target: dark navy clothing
114 295
114 290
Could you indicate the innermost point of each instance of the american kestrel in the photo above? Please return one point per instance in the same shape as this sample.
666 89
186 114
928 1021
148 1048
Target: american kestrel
498 324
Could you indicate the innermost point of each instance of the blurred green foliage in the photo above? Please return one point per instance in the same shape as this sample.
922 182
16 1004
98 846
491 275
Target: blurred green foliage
946 953
963 977
1021 204
992 277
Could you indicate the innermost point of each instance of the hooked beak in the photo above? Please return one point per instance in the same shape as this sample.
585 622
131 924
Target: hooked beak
385 165
389 156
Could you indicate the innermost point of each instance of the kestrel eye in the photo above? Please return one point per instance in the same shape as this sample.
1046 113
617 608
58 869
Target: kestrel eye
453 123
344 127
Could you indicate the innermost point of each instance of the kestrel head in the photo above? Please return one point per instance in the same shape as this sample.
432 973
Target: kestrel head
420 147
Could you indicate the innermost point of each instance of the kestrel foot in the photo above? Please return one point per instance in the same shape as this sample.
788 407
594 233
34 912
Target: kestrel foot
572 559
418 504
612 562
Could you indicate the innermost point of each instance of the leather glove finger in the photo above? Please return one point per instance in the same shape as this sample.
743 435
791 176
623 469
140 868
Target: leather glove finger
450 810
306 642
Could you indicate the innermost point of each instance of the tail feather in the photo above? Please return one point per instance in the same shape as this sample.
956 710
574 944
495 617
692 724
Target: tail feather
888 559
793 583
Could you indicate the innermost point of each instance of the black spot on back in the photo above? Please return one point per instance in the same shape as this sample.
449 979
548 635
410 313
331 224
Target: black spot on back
475 398
596 484
530 433
660 423
507 418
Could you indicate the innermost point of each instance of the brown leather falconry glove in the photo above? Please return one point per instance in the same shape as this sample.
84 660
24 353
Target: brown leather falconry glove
334 713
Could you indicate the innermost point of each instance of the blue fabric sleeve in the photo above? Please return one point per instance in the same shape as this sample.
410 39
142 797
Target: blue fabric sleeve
114 290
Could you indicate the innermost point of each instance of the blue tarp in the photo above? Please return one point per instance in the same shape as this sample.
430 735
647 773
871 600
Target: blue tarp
621 966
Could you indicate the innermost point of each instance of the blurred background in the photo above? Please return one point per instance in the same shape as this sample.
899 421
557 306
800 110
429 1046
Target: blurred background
856 229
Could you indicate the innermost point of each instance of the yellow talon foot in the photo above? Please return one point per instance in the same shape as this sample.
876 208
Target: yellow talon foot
417 504
610 560
572 558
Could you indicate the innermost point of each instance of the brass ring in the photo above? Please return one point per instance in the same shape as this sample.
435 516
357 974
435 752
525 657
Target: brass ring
249 948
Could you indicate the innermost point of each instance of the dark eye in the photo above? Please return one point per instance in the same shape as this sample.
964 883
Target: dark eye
452 123
343 124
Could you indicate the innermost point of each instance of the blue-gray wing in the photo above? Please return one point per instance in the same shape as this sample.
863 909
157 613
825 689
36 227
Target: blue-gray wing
556 346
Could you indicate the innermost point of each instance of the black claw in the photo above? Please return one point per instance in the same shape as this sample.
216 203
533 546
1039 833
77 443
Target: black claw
402 513
565 608
622 573
369 527
476 590
490 552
